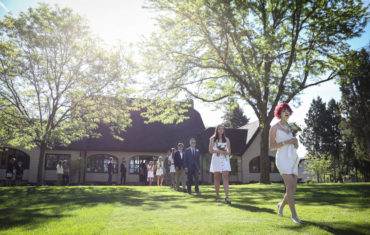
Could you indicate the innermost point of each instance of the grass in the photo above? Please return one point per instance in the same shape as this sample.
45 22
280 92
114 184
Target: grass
324 208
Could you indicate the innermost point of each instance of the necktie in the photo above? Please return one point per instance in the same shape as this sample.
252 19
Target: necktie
192 150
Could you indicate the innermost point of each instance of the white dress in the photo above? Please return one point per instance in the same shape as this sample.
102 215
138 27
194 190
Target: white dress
150 173
159 169
172 168
286 156
220 163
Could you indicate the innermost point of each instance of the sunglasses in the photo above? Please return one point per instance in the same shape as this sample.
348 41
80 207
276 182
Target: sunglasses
193 142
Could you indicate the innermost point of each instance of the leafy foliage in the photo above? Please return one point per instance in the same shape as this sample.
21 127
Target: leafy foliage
235 118
55 77
257 52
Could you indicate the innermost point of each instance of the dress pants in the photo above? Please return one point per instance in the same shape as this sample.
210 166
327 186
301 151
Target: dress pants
124 178
167 176
65 179
194 173
110 179
180 175
59 179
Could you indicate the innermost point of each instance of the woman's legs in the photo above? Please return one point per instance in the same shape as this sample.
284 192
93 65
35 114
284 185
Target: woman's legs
162 180
291 186
173 175
217 183
225 178
8 182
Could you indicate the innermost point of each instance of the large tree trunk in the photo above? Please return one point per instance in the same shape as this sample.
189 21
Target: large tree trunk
264 156
41 164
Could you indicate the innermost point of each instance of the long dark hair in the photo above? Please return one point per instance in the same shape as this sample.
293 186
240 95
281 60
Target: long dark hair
60 163
215 136
173 150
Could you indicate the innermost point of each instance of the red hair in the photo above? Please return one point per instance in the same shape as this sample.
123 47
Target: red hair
280 108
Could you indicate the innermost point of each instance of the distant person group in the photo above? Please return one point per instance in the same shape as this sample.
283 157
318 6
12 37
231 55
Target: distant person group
183 166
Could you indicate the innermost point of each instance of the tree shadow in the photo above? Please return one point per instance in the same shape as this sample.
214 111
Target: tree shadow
33 206
334 227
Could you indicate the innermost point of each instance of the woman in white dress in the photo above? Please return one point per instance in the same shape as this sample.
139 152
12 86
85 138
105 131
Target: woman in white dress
150 172
219 146
171 162
159 167
282 140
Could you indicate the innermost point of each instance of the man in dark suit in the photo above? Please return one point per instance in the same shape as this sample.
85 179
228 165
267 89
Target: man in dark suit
167 169
179 166
123 171
144 172
192 165
110 170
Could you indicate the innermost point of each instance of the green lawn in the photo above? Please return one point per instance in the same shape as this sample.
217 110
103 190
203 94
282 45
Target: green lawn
323 208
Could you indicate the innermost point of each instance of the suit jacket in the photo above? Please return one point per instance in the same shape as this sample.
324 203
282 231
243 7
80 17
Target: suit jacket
110 168
144 169
192 162
177 159
165 164
123 168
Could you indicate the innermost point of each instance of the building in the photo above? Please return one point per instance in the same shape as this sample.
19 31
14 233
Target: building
145 142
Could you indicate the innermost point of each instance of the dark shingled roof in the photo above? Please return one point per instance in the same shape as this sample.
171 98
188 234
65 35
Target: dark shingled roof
141 137
159 137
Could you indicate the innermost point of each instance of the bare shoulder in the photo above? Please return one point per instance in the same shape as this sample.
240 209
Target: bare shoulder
227 139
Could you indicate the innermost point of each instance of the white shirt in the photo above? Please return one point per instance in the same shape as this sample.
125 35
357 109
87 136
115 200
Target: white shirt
181 154
192 151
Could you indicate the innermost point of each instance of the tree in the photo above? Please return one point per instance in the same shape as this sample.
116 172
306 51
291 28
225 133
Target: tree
235 118
318 165
258 52
354 79
55 77
355 87
313 134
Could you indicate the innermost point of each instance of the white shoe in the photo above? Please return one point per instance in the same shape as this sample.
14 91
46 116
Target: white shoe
295 219
279 205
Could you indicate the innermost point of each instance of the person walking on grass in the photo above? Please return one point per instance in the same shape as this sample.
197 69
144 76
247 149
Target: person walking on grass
9 172
159 167
179 166
59 172
150 170
110 171
192 166
18 174
172 167
123 172
282 140
219 146
65 173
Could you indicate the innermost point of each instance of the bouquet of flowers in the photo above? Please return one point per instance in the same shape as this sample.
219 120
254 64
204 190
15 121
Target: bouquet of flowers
294 128
221 147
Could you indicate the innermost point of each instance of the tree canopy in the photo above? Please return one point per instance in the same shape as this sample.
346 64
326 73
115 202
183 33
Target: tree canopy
256 52
55 80
235 118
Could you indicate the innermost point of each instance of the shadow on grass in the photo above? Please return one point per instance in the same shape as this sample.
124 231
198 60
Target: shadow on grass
33 206
344 228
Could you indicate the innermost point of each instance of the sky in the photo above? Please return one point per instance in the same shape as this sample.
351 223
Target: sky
126 20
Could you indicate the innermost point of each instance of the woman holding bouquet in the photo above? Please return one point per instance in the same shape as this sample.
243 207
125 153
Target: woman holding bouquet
150 173
159 167
219 146
282 139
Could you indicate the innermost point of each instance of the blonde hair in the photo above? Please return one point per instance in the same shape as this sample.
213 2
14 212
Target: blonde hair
160 157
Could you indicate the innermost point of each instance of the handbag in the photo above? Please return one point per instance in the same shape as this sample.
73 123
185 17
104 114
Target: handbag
8 175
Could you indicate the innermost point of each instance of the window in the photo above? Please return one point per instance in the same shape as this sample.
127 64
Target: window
99 163
135 163
254 165
7 153
52 160
273 165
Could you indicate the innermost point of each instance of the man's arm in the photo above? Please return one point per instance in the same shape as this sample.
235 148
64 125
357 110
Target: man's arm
185 160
